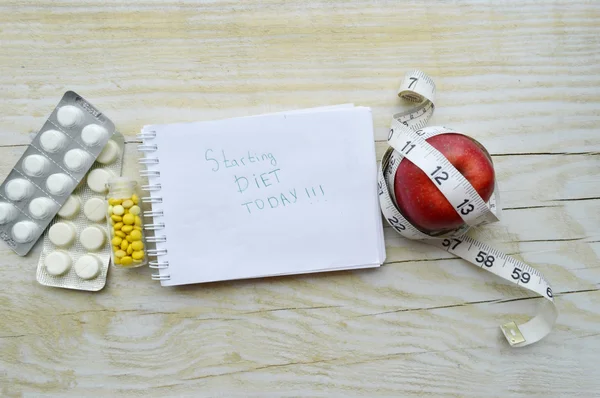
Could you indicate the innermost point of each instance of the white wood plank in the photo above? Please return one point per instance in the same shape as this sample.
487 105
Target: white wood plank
521 90
520 77
398 353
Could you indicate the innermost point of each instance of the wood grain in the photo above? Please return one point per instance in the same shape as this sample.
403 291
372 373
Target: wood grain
522 78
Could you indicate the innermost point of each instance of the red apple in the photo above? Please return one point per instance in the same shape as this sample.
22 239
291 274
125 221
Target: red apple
419 199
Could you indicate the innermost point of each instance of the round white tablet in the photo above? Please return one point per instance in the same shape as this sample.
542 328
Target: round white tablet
36 165
92 238
97 180
19 189
87 267
95 209
71 207
69 116
42 208
53 141
8 212
93 135
59 184
62 234
25 231
77 160
57 262
109 153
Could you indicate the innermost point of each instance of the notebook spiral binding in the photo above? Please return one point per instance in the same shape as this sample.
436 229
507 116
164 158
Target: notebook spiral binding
147 148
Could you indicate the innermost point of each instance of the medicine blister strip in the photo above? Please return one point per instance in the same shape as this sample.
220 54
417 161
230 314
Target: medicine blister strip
85 213
52 166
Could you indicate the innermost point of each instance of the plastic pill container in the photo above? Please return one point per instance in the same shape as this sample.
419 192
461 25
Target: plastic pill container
125 226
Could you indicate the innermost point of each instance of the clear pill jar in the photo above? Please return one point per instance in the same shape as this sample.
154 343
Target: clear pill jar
125 224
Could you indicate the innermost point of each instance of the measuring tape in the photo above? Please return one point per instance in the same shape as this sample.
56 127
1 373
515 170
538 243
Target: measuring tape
407 139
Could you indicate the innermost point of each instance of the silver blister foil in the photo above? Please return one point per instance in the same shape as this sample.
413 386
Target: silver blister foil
53 165
70 280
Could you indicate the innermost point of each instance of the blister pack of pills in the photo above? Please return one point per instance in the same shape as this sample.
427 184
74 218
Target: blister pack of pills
53 165
77 249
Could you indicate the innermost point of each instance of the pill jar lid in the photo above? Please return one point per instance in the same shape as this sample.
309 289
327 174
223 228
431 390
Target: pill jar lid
121 186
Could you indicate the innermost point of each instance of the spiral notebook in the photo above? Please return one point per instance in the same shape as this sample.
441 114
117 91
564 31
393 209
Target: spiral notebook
265 195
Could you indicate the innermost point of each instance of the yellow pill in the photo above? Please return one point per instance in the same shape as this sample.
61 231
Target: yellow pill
135 199
118 210
128 219
127 260
137 245
129 238
116 218
120 253
124 245
116 241
138 221
137 228
116 248
135 210
137 261
118 226
129 250
117 260
115 202
127 228
121 234
109 210
137 255
127 203
135 235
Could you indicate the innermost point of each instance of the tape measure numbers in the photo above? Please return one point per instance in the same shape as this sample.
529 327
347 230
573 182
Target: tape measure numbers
407 139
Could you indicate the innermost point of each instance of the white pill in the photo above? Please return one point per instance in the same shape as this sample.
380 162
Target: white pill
19 189
92 238
42 208
57 263
109 153
53 141
77 160
59 184
62 234
71 207
25 231
69 116
36 165
93 135
95 209
87 266
8 212
97 180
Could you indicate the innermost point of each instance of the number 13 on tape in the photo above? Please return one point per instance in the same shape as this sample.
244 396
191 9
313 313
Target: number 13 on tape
407 139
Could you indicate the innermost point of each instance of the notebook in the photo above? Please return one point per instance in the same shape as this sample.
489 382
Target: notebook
264 195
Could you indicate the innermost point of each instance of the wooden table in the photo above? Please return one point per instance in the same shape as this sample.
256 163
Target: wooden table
522 78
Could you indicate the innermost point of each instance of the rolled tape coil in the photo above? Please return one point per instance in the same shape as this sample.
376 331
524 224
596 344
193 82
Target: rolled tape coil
407 139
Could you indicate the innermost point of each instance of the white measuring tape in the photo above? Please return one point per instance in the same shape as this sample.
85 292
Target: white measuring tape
407 139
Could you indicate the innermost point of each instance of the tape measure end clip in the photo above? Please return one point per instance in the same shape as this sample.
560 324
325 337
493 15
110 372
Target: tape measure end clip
512 333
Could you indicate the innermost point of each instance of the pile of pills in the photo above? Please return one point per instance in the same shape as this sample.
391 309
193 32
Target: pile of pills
125 224
53 165
126 231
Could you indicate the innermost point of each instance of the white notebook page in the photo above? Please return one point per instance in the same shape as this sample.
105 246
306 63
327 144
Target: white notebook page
269 195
